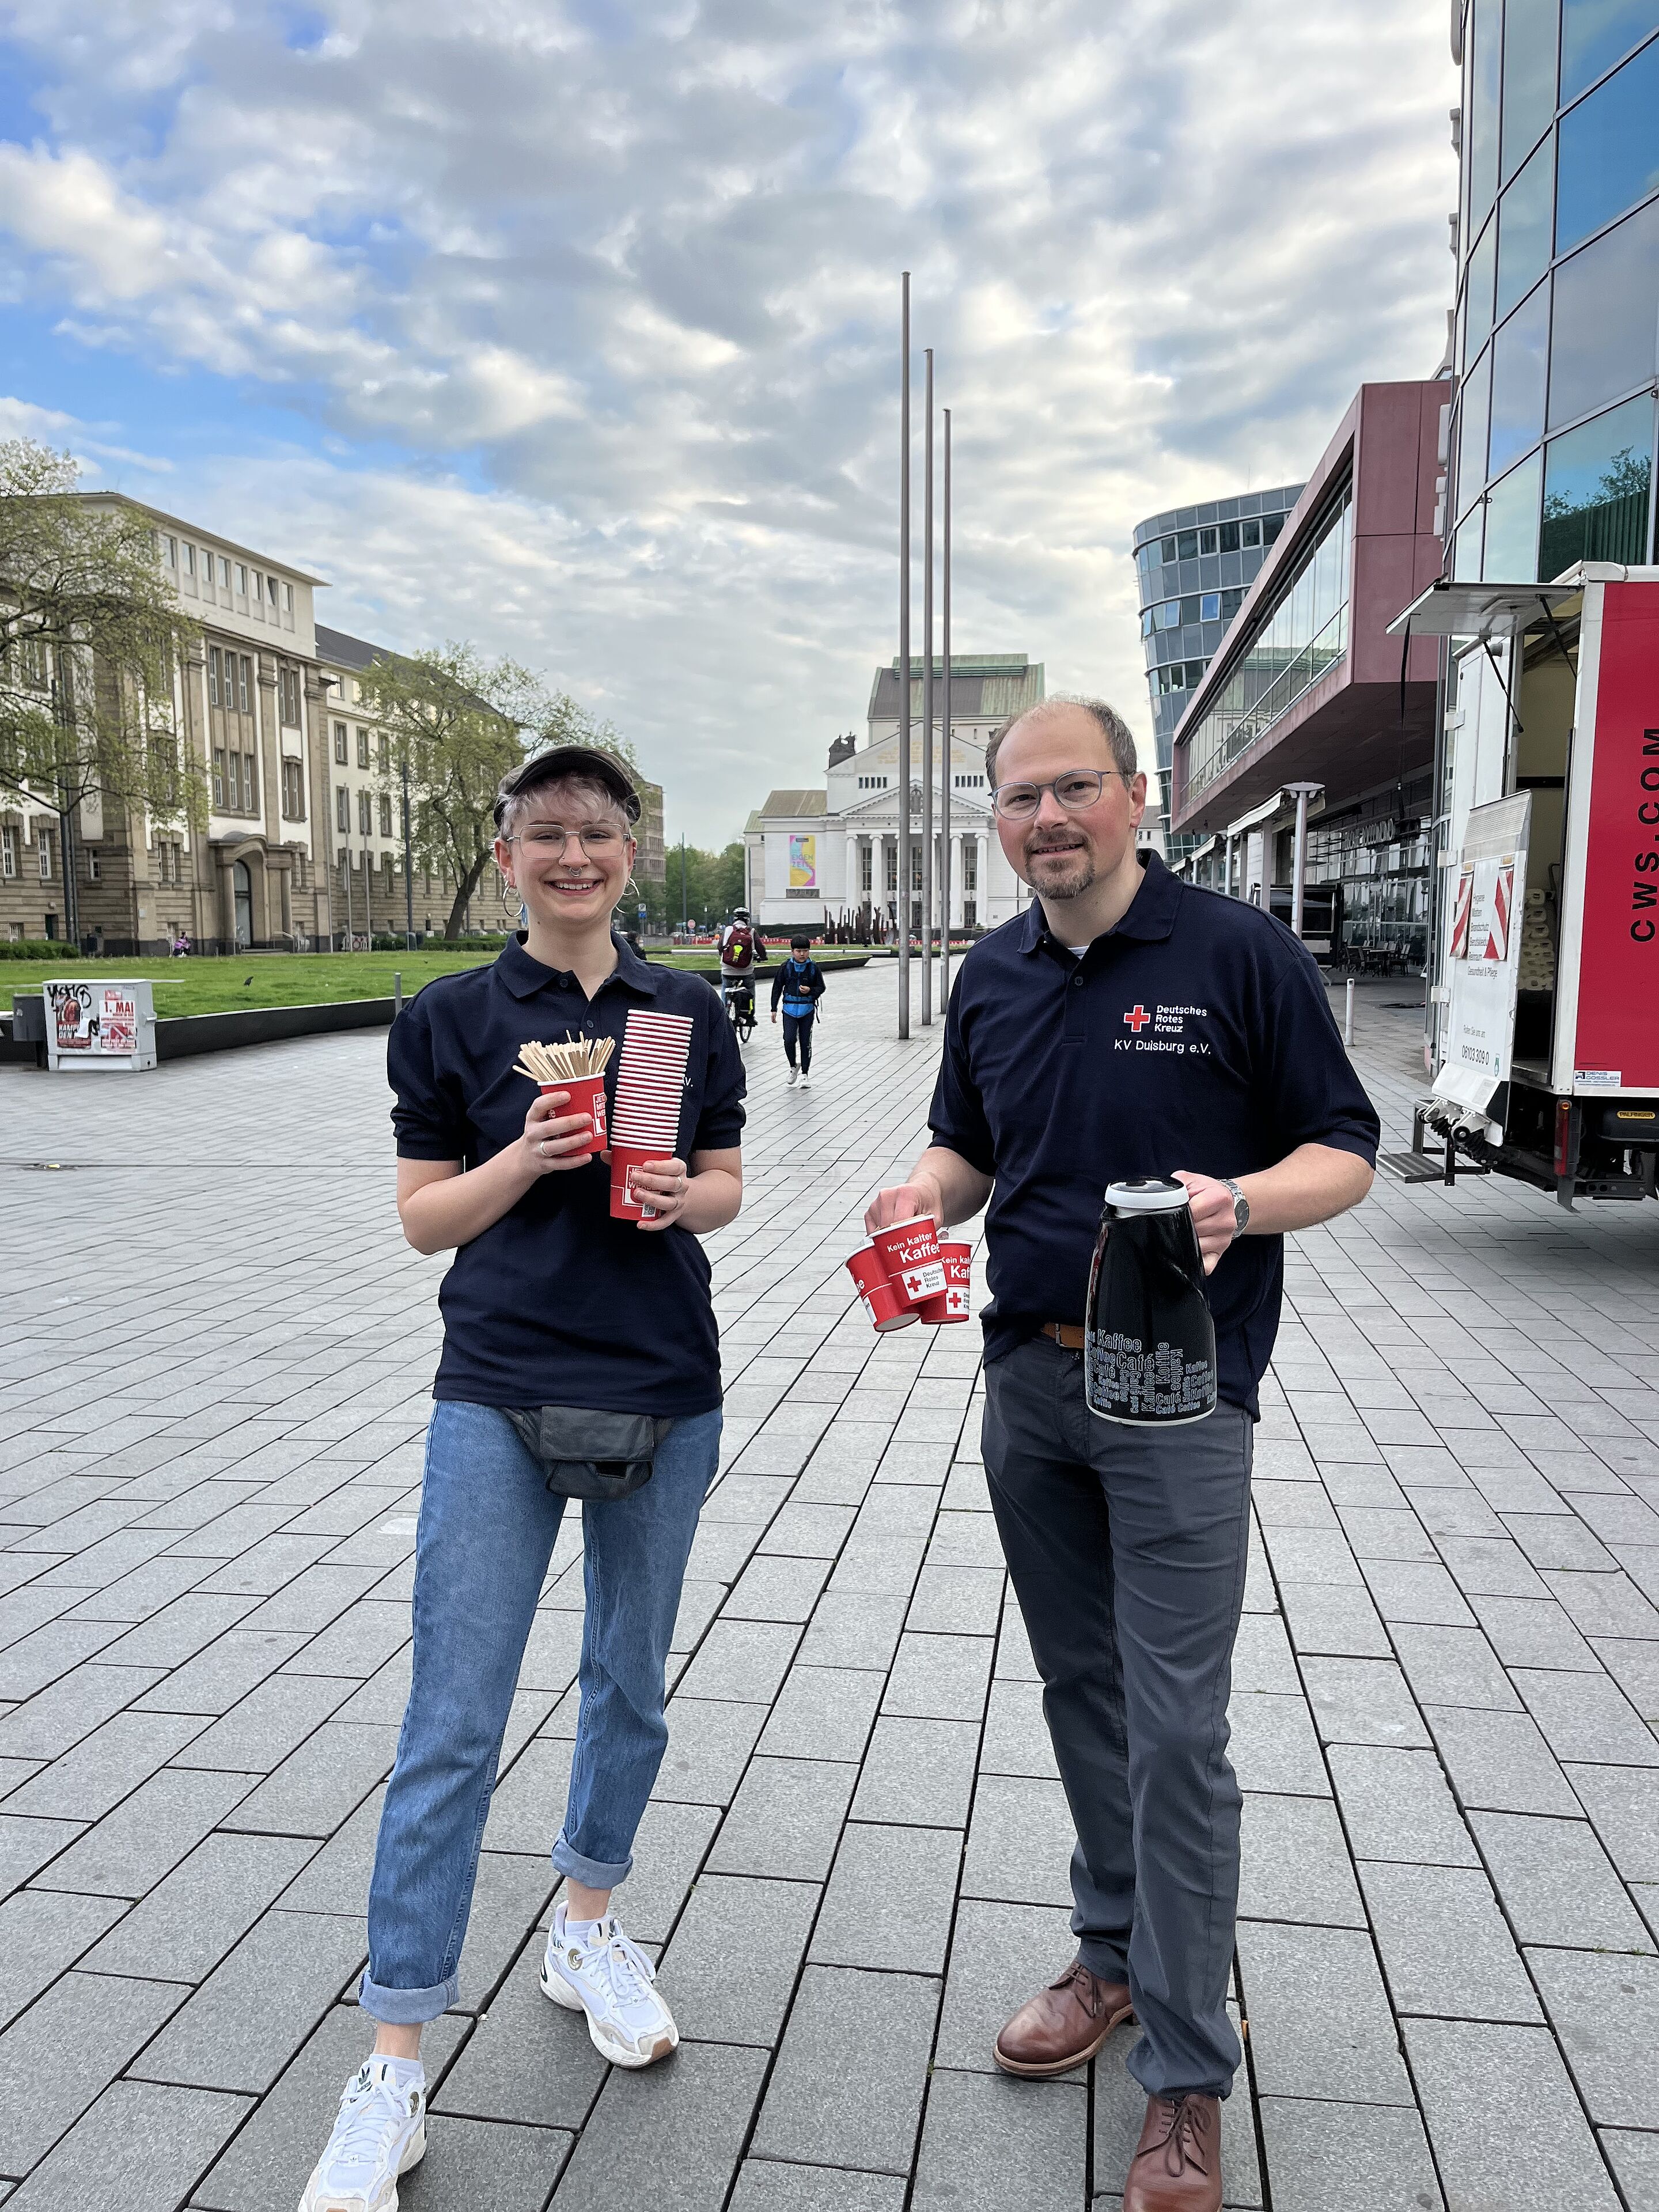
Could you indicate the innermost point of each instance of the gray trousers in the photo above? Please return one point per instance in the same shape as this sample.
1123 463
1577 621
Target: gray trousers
1127 1548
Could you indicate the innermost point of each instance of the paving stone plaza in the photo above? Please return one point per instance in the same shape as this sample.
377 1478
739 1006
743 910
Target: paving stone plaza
217 1356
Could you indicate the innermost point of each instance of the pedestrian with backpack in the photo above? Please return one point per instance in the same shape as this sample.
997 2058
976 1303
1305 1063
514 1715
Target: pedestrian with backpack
741 947
798 986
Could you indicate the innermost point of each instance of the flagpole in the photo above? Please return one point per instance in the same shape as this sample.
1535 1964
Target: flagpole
928 699
902 904
946 760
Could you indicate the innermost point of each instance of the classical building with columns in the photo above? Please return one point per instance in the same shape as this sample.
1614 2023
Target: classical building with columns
830 854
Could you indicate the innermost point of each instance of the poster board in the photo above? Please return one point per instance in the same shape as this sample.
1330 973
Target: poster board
1483 956
803 862
97 1023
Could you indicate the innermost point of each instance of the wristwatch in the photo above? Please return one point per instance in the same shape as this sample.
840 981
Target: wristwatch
1241 1205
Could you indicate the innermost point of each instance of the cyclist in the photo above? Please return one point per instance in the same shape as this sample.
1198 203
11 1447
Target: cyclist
741 948
799 985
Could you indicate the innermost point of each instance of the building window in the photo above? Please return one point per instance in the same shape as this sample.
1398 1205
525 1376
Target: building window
1596 483
43 838
970 783
1249 532
385 815
270 590
218 776
340 743
386 873
1305 633
246 686
224 573
212 675
1271 526
1209 607
190 560
1595 34
1208 541
241 580
1523 231
342 809
287 599
94 875
1608 150
1606 310
1520 365
293 797
362 748
170 553
365 820
386 755
1484 41
8 852
288 687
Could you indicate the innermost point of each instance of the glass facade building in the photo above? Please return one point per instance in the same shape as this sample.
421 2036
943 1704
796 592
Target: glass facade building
1556 335
1194 565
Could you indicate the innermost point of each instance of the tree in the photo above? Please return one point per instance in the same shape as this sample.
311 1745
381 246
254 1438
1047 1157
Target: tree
90 632
714 884
455 724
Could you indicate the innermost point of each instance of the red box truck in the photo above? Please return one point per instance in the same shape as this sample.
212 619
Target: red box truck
1544 972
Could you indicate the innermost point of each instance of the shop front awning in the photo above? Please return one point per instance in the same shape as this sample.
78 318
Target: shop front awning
1488 610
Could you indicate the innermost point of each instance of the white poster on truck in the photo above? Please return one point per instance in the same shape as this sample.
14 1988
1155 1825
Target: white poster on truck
1483 962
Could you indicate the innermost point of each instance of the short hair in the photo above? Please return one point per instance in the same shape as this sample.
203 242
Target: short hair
802 939
1112 728
572 767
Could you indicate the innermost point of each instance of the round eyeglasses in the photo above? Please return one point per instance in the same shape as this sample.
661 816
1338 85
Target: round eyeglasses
599 841
1078 788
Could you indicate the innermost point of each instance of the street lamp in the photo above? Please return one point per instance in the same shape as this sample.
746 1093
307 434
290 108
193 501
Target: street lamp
409 872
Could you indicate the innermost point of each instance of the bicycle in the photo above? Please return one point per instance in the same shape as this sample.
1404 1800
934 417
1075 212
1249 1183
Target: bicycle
738 996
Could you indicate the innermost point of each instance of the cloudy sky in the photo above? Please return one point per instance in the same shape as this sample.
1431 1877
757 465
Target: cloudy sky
571 327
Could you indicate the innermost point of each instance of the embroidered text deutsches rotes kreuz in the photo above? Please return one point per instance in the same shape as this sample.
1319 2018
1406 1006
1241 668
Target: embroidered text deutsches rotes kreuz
1161 1029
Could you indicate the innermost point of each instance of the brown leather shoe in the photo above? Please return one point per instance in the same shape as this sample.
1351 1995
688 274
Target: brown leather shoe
1063 2026
1176 2166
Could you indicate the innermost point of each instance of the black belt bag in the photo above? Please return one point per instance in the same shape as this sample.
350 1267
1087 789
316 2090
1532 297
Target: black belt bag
589 1454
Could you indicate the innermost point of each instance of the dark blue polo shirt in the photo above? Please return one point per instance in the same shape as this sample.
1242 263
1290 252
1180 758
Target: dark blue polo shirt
557 1305
1195 1034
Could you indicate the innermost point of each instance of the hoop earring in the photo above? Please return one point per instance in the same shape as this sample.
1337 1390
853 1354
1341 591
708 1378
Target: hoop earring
512 901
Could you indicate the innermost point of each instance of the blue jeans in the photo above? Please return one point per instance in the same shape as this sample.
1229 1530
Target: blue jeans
487 1529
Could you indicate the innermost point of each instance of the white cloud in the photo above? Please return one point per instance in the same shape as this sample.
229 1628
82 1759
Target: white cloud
621 290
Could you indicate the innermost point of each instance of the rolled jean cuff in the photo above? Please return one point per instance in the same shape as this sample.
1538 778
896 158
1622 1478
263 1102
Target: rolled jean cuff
592 1873
407 2008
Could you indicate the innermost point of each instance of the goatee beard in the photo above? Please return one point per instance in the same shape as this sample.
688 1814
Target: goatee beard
1061 883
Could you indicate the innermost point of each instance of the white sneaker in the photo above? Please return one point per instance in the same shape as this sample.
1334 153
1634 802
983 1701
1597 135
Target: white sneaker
793 1077
379 2134
806 1083
611 1982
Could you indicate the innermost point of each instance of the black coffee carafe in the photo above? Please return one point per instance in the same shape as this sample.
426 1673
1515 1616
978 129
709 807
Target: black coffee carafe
1149 1351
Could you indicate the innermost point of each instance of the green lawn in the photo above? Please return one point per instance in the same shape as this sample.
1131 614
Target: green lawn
287 979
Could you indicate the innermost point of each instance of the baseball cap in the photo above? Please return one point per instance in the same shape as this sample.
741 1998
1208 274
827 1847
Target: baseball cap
562 761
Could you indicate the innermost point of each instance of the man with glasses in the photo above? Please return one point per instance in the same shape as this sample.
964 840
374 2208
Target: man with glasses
1129 1025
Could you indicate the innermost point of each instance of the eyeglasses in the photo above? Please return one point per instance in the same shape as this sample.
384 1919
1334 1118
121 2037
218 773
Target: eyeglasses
1078 788
600 841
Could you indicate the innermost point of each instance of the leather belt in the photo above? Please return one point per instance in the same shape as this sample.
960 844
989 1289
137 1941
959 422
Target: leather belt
1065 1334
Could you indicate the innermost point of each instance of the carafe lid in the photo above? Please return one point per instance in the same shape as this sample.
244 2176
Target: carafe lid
1147 1194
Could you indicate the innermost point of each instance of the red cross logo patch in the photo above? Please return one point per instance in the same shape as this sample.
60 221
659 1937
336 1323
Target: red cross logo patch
1137 1018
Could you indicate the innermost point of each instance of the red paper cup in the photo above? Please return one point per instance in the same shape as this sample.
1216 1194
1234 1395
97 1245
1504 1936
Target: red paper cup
587 1096
882 1302
909 1256
952 1302
624 1158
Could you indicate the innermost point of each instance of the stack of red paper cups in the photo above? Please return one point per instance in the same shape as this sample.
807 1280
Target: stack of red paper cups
907 1272
650 1091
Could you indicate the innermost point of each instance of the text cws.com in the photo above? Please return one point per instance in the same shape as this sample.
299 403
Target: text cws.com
1167 1024
1645 895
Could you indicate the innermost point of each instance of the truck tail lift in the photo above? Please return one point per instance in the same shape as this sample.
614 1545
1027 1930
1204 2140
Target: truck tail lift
1544 974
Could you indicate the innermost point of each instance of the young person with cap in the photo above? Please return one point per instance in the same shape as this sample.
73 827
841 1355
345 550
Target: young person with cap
798 986
579 1355
1128 1025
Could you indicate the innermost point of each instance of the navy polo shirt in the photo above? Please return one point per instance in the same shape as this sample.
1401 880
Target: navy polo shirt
1194 1035
557 1305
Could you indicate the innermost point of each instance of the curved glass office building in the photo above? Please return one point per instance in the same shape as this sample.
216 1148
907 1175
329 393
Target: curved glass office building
1556 338
1194 565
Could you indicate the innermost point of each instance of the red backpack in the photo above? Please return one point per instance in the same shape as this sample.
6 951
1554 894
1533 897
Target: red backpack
738 950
